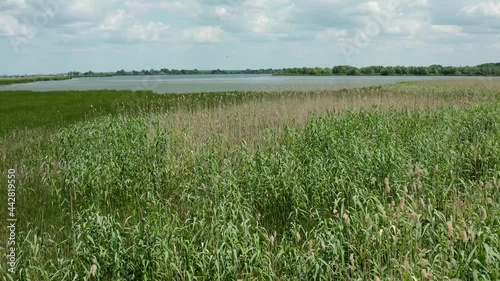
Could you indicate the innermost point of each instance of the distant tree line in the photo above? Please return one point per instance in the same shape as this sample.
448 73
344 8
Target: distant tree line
89 74
166 71
488 69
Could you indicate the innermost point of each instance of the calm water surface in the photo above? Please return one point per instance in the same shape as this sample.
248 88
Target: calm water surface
215 83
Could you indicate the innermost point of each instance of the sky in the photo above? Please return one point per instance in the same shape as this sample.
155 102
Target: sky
56 36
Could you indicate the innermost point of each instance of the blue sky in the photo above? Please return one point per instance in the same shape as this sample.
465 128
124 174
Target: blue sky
53 36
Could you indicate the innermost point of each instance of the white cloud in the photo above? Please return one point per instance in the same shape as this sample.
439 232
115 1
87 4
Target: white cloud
272 21
153 31
370 7
259 28
221 11
14 3
259 24
331 34
187 8
87 9
448 29
419 4
257 18
10 26
204 34
483 9
116 21
264 4
403 26
138 6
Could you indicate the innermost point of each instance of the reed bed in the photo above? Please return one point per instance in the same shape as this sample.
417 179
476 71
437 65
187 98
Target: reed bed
398 182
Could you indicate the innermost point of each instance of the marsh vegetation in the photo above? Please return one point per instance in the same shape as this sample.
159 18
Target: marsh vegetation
399 182
23 80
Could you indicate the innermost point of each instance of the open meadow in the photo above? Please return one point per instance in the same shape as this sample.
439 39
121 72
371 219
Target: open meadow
396 182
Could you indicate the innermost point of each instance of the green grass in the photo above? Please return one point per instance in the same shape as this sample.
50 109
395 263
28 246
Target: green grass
21 110
24 110
21 80
363 191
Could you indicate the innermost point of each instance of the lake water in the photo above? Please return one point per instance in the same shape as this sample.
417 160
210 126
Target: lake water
215 83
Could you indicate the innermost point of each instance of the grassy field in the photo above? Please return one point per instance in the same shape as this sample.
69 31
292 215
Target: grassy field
399 182
21 80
